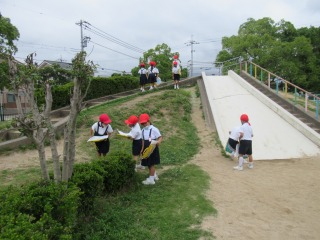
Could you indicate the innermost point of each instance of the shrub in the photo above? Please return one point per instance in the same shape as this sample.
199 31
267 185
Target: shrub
42 210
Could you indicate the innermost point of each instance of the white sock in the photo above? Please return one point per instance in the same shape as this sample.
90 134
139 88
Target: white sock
241 160
151 178
155 174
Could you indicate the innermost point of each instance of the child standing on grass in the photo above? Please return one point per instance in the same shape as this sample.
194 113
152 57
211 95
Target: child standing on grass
245 147
175 75
136 136
143 76
149 133
153 73
102 128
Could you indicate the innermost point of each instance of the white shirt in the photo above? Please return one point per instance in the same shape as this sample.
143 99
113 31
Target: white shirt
175 70
142 71
235 133
102 129
154 70
155 133
136 132
178 62
246 129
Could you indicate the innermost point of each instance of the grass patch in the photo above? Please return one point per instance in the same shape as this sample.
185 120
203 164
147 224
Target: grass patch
171 209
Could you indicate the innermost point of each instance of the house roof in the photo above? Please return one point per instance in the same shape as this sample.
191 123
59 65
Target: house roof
63 65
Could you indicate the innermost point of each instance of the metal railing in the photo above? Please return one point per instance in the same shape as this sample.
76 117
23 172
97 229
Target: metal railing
299 96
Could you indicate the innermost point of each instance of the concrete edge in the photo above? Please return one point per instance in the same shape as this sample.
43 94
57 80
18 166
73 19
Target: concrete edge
295 122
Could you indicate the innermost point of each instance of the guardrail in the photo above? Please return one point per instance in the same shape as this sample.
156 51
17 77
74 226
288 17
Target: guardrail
285 88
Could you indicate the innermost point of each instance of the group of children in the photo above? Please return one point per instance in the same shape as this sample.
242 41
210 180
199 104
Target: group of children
240 142
150 75
141 139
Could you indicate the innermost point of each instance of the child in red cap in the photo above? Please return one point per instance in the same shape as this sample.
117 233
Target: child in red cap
150 133
136 137
102 128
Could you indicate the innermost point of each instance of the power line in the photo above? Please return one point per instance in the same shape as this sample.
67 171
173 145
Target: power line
114 50
111 38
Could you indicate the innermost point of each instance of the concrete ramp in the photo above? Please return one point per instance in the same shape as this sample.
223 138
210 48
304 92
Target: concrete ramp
274 138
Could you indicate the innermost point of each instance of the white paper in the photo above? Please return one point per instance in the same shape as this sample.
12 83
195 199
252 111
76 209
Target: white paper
97 138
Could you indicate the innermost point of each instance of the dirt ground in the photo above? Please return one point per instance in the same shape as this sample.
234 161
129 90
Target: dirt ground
276 200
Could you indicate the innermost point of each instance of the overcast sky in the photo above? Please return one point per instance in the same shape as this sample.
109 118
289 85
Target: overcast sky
49 27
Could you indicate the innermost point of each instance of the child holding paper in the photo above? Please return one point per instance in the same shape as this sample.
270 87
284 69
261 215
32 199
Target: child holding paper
102 128
136 136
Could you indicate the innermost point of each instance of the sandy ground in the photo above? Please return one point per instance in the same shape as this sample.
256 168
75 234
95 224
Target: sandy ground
276 200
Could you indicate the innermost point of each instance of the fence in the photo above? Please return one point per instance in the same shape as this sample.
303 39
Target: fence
309 101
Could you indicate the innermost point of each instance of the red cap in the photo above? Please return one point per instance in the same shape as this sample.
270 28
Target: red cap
144 118
132 120
175 57
142 65
104 118
152 63
244 118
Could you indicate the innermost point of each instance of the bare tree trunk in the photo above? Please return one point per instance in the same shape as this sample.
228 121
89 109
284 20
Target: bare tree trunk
70 132
52 135
37 137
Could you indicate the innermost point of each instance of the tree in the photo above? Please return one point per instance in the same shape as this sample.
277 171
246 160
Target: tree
8 34
36 123
278 48
82 72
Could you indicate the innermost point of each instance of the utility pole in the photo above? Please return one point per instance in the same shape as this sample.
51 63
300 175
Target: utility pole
84 40
190 43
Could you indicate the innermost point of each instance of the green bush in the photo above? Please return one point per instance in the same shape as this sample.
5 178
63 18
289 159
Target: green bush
119 170
99 87
89 178
43 210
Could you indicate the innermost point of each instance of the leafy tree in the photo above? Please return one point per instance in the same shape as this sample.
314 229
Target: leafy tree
59 75
278 47
8 34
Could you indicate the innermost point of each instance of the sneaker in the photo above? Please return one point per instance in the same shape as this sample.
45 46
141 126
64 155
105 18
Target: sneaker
140 167
238 168
151 88
250 165
156 178
175 87
148 182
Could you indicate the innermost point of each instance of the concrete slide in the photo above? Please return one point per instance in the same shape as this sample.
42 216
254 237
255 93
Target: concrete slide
274 138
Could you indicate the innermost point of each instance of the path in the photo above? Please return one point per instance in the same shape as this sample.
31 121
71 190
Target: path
276 200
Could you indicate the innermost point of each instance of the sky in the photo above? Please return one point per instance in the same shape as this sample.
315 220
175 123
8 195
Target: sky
121 30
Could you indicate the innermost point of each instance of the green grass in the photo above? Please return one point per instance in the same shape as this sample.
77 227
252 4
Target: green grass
172 209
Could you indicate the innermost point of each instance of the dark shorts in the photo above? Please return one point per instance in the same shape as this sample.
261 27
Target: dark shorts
103 146
245 147
232 143
136 147
176 77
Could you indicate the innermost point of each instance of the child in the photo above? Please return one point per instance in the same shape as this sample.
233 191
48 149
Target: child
233 141
153 73
245 147
149 133
102 128
143 76
175 75
136 136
